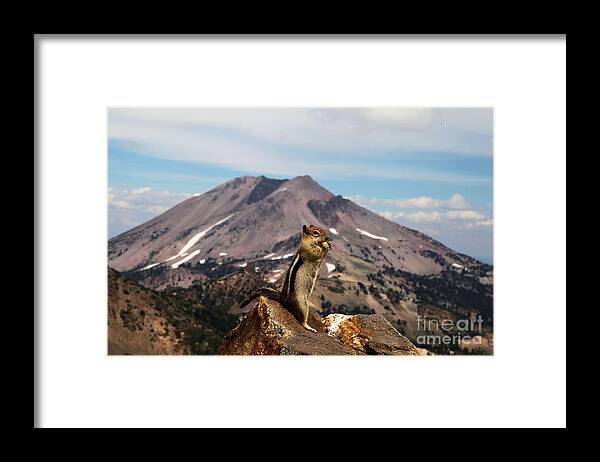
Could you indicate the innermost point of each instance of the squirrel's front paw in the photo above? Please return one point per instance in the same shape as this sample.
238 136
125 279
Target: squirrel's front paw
307 327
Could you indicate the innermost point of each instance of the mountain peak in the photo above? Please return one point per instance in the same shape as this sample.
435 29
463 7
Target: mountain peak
307 188
264 187
303 179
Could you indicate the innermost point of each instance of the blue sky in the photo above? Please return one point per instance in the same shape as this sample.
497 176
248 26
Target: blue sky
429 169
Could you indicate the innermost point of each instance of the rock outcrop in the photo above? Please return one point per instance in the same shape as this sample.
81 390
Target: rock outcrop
370 334
269 329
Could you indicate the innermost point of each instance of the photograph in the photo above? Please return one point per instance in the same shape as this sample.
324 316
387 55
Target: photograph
300 231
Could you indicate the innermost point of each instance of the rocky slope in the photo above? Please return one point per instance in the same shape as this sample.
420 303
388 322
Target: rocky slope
270 329
142 321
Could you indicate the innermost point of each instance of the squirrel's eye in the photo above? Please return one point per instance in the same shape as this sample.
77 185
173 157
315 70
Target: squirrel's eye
316 233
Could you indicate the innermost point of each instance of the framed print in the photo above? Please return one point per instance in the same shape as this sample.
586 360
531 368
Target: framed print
369 231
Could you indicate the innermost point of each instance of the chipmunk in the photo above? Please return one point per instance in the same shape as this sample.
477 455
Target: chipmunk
301 275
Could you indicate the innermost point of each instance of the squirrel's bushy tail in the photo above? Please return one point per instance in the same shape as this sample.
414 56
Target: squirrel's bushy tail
268 292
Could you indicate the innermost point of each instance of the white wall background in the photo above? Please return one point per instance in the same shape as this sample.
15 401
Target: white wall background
524 384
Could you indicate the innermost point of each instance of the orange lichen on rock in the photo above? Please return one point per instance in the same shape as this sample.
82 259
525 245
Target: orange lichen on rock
369 334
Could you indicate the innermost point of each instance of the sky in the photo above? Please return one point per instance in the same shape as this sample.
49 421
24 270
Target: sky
425 168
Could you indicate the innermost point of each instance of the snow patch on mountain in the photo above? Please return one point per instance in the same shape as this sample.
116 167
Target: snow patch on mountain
179 255
201 234
372 236
180 262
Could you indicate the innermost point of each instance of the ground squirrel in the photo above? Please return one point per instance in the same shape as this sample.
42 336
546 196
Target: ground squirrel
301 275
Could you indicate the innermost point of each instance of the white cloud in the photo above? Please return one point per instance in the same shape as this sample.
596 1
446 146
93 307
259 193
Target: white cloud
391 215
423 202
481 224
460 231
457 201
378 118
423 217
262 140
129 208
400 118
464 215
456 208
120 204
434 216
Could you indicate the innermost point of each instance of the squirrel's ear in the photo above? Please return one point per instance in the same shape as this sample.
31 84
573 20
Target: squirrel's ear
304 229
